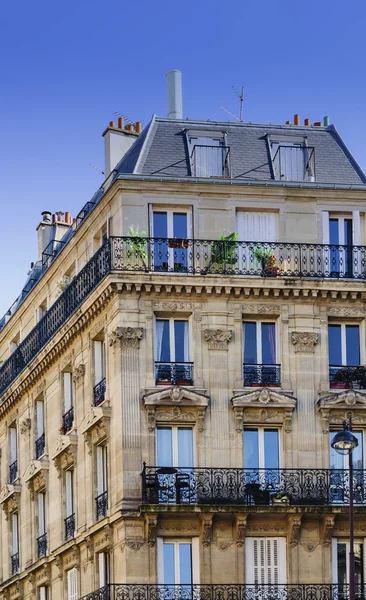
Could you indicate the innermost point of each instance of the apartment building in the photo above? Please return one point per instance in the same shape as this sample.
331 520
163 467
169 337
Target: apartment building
176 365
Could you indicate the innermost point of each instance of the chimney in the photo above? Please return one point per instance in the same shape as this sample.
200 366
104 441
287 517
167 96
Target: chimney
317 124
307 122
326 121
174 94
51 228
117 140
296 120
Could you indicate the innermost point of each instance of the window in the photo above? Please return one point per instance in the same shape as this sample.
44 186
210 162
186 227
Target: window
13 454
265 561
172 352
68 415
69 504
101 499
42 533
43 593
72 584
344 351
261 448
14 543
260 355
171 229
40 434
339 479
340 563
178 561
99 372
341 234
292 159
209 155
257 226
175 458
42 309
15 343
103 568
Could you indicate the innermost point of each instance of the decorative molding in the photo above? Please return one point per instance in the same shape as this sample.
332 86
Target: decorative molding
223 545
310 545
263 406
152 523
103 539
78 373
133 543
126 337
89 543
66 361
95 426
328 527
304 342
267 528
64 453
36 476
178 527
172 399
17 590
173 306
217 338
25 425
9 498
43 575
60 566
206 530
345 311
240 529
336 407
261 309
72 559
294 525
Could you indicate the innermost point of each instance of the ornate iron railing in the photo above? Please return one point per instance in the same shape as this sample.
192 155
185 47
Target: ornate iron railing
170 485
99 392
40 445
225 591
67 420
101 505
258 375
172 373
14 563
69 527
13 471
42 545
342 377
210 161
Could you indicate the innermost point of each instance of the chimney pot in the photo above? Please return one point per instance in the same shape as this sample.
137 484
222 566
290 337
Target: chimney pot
46 216
120 122
138 127
129 127
307 122
288 122
174 94
53 218
326 121
67 217
111 123
318 124
296 120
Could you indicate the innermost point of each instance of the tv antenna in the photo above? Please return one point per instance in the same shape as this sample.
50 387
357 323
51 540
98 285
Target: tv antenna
96 168
241 101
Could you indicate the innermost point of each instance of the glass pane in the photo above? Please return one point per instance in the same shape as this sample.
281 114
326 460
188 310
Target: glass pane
164 454
271 449
358 548
251 458
180 225
358 451
181 341
250 343
160 224
185 564
160 230
335 344
333 231
348 232
162 342
352 345
342 564
268 344
336 461
185 447
169 573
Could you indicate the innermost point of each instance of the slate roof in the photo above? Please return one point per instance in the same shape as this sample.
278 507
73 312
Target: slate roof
162 150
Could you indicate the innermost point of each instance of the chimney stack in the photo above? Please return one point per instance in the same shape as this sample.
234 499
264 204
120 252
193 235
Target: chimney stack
296 120
326 121
174 94
307 122
51 228
117 140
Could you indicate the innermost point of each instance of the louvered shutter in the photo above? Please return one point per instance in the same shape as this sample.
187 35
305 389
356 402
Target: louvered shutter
67 391
40 418
69 493
72 584
41 514
258 226
265 561
13 444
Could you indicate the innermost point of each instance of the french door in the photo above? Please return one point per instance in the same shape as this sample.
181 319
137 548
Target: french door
174 454
340 566
261 230
171 230
339 473
178 562
265 561
341 258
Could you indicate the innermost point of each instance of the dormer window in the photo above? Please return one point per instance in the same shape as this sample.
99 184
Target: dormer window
292 159
209 155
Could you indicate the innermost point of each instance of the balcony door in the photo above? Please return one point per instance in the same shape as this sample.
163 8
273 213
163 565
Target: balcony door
339 474
259 230
178 562
171 230
260 354
344 351
340 565
261 463
341 243
265 561
172 352
174 459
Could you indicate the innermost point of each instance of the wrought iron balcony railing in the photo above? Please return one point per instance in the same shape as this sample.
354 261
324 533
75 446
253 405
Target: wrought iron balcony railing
101 505
170 485
14 563
99 392
40 445
210 161
68 420
13 471
42 545
342 377
262 375
173 373
226 591
69 527
185 256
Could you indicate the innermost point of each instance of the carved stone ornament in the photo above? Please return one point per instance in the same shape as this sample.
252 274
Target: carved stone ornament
240 529
217 339
103 540
335 408
206 530
36 476
95 426
345 311
72 558
43 575
261 309
304 342
133 543
25 425
64 453
78 373
17 590
60 566
152 524
263 406
169 306
294 525
126 337
9 499
173 400
328 526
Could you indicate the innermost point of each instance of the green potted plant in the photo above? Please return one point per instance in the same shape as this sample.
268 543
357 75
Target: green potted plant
342 379
359 377
223 251
267 258
137 245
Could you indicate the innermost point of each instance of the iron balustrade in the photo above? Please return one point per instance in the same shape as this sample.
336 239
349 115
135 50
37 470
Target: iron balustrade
99 392
14 563
184 256
69 526
13 471
347 377
169 485
67 420
172 373
262 375
40 445
210 161
42 545
225 591
294 163
101 505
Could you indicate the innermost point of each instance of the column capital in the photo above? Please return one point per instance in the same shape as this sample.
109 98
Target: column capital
126 337
218 339
304 341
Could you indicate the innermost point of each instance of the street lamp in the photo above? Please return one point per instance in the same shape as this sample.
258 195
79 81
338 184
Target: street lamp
344 442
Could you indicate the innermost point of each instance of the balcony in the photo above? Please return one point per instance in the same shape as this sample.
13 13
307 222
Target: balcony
14 563
262 375
67 421
13 471
341 377
271 487
210 161
226 591
40 446
101 505
99 392
174 373
69 526
42 545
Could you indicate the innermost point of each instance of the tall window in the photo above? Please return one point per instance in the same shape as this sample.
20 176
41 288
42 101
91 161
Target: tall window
339 479
260 355
265 560
340 563
174 456
341 235
261 448
103 569
209 156
68 414
178 561
101 499
292 160
172 352
344 354
69 504
40 434
42 532
171 230
14 543
72 584
43 593
99 372
13 454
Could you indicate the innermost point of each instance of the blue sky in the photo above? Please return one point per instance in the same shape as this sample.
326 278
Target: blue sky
66 67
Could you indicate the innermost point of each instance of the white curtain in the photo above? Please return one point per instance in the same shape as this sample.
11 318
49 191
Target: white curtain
159 330
186 342
164 450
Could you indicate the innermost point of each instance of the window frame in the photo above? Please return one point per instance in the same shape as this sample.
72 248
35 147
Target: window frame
259 338
175 447
171 320
334 556
195 556
261 453
361 338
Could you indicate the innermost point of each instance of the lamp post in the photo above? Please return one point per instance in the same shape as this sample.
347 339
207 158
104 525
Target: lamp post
344 442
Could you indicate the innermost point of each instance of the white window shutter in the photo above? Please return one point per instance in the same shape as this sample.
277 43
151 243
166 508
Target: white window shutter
325 226
265 561
41 514
40 418
13 444
72 584
69 493
100 470
102 569
356 228
67 391
196 561
14 533
42 593
258 226
98 361
160 553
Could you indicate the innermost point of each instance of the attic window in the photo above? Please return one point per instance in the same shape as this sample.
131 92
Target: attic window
209 155
292 159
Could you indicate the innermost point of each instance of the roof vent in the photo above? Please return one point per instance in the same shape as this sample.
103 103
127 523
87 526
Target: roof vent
174 94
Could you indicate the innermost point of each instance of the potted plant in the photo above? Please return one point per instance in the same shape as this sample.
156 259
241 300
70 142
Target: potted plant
281 498
178 243
342 379
267 258
137 245
223 251
359 377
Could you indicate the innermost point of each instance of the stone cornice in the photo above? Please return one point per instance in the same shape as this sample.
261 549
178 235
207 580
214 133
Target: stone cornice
336 407
64 452
173 399
263 406
95 425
